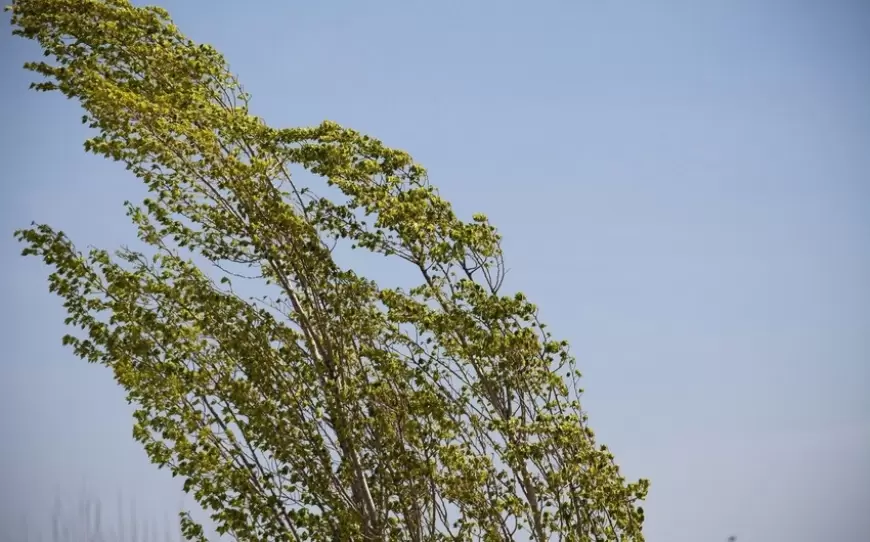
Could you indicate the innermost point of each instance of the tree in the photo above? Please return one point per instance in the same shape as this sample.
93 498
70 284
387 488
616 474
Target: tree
330 408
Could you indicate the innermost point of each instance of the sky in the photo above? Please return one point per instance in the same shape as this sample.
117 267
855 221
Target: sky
683 189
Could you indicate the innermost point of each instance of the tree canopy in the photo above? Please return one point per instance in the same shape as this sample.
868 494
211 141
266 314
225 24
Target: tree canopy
330 408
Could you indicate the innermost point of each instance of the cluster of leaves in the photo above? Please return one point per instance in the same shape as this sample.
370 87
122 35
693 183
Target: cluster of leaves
331 409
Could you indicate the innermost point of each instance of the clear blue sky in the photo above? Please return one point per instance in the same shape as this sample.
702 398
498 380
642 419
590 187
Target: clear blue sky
683 188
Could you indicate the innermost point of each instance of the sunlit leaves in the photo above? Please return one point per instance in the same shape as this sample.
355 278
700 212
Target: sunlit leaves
328 407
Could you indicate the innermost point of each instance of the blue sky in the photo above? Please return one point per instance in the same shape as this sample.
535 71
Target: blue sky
683 188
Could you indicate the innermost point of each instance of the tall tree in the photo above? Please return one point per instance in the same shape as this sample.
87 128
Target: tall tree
331 408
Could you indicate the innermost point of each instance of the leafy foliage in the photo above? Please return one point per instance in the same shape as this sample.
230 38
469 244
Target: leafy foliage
332 408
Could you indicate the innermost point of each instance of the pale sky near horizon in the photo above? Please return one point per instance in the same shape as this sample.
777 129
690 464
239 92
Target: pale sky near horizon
683 189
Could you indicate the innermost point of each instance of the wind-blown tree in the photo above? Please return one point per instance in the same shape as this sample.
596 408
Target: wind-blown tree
331 408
